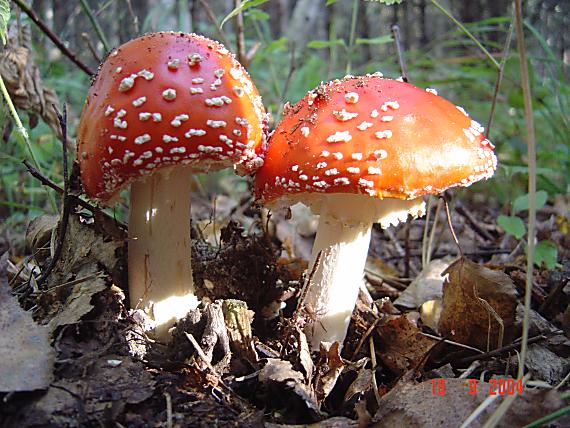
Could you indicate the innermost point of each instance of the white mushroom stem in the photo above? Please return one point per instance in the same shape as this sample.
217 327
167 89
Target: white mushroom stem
343 236
160 273
332 294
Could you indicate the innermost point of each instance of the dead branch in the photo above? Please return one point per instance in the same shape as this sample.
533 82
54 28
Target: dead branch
55 39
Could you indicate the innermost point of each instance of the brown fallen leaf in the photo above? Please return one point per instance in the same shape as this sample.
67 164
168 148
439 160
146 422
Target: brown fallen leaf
25 354
86 257
402 344
287 391
39 233
23 80
328 370
426 286
416 405
478 305
103 389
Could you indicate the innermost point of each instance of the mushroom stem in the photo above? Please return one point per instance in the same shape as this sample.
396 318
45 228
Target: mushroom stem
160 273
344 236
332 295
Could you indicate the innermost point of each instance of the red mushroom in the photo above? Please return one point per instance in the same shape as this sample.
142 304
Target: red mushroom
163 107
359 151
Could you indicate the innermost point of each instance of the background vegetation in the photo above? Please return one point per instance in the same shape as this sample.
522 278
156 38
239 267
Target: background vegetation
290 46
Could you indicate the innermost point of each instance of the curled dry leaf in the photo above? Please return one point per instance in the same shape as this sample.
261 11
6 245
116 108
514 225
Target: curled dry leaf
403 345
24 83
426 286
25 354
328 369
478 305
286 389
38 234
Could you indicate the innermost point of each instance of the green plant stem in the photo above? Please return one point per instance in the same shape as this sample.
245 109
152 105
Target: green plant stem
95 24
24 133
352 35
531 150
467 33
550 417
500 74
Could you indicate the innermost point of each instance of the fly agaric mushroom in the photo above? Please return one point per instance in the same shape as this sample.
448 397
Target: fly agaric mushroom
359 151
163 107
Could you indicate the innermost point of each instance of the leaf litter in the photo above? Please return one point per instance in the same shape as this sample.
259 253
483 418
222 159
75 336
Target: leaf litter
242 357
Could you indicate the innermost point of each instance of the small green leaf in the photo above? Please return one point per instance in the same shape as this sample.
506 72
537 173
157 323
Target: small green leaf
278 45
375 41
246 4
547 253
320 44
4 18
512 225
257 15
521 203
329 2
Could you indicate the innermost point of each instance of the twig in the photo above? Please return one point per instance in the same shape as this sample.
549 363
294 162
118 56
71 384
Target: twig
95 24
500 74
56 40
67 205
451 342
168 410
47 182
400 52
498 351
553 295
90 46
373 362
212 17
305 289
364 337
431 239
352 36
292 68
134 16
467 33
531 156
240 39
473 223
445 197
201 353
301 302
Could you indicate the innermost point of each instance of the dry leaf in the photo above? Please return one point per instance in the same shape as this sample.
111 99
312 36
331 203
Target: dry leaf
478 305
304 353
328 369
286 388
403 345
78 302
26 356
38 234
105 387
426 286
24 83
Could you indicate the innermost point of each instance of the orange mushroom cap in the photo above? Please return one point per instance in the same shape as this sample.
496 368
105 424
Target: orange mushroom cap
369 135
168 98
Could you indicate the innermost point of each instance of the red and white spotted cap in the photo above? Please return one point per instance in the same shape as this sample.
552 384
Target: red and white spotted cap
372 136
163 99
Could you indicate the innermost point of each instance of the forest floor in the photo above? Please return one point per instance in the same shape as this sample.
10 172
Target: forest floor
420 351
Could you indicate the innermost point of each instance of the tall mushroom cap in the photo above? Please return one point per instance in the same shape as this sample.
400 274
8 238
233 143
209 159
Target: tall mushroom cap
145 110
371 136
